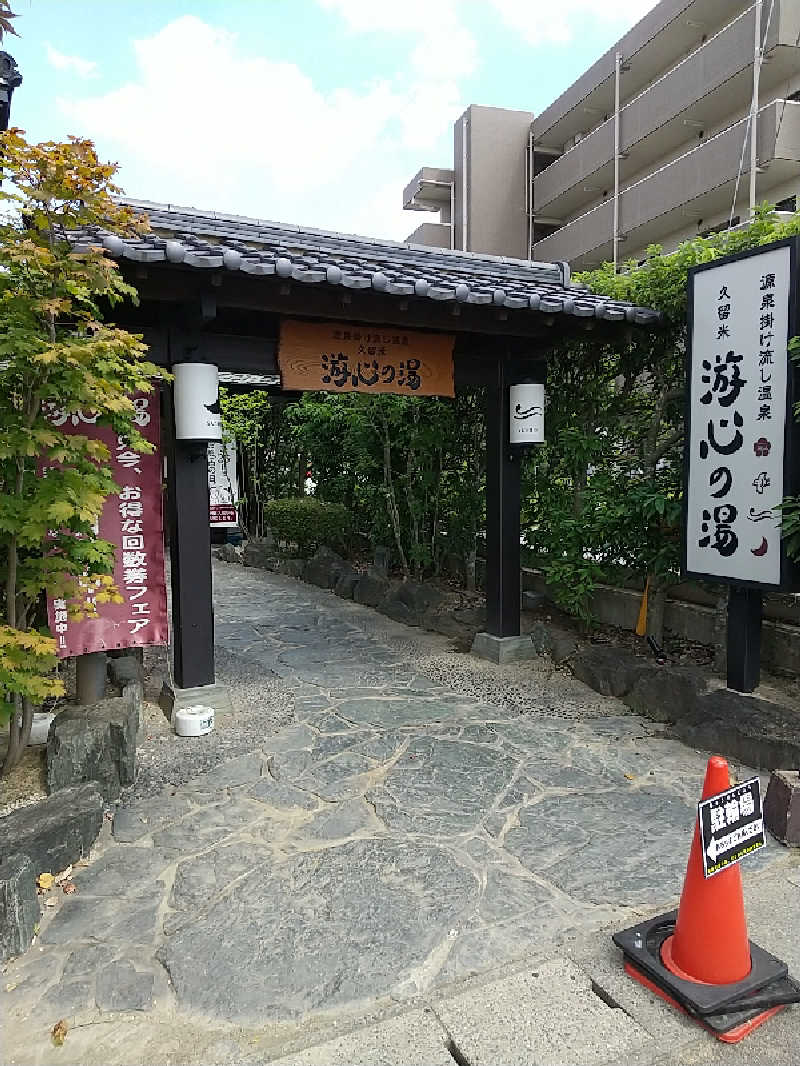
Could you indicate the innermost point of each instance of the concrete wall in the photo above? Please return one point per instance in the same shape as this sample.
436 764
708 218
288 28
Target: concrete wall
657 42
699 77
496 142
693 617
431 234
711 165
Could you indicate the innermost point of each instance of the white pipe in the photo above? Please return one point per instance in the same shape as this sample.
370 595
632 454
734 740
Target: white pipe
529 192
464 186
757 56
617 72
453 214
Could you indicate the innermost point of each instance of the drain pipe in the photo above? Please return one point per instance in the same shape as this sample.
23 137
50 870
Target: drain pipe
618 71
757 57
464 186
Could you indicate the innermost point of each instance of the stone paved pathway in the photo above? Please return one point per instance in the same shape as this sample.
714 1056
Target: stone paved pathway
402 834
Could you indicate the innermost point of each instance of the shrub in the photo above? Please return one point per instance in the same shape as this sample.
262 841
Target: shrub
308 523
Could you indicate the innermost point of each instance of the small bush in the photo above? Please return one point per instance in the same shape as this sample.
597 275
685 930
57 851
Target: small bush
308 523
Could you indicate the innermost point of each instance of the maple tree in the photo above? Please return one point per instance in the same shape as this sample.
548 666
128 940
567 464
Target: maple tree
56 353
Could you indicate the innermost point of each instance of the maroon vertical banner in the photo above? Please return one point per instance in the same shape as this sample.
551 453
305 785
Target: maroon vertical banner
131 520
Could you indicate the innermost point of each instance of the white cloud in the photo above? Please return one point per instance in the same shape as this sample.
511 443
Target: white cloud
445 49
262 139
541 22
84 68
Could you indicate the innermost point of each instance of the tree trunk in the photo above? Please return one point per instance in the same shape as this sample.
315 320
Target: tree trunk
19 733
391 501
471 566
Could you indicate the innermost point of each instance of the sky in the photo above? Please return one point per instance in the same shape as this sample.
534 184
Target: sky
314 112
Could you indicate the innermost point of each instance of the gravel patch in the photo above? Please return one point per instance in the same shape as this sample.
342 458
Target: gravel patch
262 705
525 687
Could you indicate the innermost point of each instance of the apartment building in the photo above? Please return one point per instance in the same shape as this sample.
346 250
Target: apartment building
650 145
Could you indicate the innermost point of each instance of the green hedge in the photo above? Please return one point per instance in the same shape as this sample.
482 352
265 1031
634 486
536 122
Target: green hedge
308 523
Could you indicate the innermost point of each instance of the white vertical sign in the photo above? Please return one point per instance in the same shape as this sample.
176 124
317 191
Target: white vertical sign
738 416
223 486
526 414
197 408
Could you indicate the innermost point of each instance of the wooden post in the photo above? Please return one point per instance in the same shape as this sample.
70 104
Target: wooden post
190 554
502 511
744 638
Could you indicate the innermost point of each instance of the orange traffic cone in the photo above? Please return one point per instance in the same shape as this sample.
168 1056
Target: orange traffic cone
699 958
710 941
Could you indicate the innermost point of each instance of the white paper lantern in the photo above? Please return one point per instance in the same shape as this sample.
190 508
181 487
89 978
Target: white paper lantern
197 410
526 414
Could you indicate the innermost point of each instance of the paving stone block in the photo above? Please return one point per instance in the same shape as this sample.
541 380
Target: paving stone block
93 743
108 920
612 671
782 806
346 583
547 1016
503 649
370 590
56 832
146 817
120 987
324 568
87 960
120 871
415 1039
19 905
66 998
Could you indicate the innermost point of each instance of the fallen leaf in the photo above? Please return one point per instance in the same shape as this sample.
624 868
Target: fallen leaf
63 875
58 1032
11 986
45 881
50 901
68 887
630 777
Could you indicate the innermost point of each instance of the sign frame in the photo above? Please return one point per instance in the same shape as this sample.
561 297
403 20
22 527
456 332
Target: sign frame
321 355
754 819
789 571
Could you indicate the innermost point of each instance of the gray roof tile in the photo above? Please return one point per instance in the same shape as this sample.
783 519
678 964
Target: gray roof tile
208 240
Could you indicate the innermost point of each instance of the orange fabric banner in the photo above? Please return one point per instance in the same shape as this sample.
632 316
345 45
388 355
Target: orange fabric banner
337 357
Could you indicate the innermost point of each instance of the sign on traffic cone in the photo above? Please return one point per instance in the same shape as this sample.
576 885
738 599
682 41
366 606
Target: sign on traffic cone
699 959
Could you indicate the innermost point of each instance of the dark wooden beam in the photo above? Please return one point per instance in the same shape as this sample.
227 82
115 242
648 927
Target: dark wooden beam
178 284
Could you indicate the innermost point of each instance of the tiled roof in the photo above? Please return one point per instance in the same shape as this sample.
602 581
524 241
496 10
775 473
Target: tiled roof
207 240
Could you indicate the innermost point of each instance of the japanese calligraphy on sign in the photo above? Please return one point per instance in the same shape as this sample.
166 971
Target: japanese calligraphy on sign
336 357
223 485
738 409
731 826
132 521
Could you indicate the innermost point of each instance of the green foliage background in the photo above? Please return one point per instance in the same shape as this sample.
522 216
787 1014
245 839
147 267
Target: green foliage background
601 499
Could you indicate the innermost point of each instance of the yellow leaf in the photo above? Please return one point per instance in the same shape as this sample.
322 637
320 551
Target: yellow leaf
59 1032
45 881
60 511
